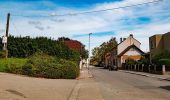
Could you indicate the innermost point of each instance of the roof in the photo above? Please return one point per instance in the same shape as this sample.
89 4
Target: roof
128 37
132 46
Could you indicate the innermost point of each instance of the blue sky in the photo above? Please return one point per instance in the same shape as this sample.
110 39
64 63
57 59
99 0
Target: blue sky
142 21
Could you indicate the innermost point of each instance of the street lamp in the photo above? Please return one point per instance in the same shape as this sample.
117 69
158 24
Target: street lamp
89 52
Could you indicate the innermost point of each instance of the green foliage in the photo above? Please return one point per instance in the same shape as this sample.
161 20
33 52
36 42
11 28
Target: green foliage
164 54
165 62
100 52
27 69
2 54
131 62
11 64
84 53
43 65
144 61
46 58
25 46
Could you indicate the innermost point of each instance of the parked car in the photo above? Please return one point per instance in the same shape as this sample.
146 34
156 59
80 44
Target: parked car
113 67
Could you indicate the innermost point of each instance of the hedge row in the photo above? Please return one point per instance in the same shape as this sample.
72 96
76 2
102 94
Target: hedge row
43 65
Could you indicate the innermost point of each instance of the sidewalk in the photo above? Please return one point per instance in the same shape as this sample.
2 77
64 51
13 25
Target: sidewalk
86 88
161 77
19 87
85 73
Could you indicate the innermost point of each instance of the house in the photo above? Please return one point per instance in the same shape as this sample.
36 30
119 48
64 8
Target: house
128 48
159 42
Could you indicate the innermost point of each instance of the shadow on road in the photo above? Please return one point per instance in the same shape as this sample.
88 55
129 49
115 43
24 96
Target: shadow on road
165 87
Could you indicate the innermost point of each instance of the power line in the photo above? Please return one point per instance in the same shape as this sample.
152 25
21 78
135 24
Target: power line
94 11
15 27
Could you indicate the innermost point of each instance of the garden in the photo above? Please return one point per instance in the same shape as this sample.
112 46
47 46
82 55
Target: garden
40 57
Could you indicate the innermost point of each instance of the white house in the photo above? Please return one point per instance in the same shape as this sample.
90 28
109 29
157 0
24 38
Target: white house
128 48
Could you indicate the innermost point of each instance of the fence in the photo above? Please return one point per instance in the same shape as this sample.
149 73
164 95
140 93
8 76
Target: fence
147 68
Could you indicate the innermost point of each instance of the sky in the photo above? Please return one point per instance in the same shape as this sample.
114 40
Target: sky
40 18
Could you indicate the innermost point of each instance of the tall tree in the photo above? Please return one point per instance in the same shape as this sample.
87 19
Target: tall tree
100 52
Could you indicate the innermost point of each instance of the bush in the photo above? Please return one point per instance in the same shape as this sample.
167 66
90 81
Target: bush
131 61
2 54
27 69
13 68
144 61
12 65
43 65
164 62
164 54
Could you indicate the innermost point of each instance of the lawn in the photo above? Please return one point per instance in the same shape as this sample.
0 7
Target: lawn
17 61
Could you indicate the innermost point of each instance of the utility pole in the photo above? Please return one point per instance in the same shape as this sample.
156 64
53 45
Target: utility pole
5 38
89 53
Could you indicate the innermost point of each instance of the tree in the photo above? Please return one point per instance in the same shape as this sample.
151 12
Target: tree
26 46
164 54
100 52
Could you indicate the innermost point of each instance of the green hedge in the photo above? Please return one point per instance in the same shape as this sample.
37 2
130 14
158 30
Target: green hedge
42 65
12 64
131 61
2 54
164 62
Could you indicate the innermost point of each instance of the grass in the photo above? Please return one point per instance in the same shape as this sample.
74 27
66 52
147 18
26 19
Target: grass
18 61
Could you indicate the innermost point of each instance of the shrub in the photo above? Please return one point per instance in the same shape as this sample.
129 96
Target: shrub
131 61
12 65
27 69
144 61
164 62
43 65
13 68
2 54
164 54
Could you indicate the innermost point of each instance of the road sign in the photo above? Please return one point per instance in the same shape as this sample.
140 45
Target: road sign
4 39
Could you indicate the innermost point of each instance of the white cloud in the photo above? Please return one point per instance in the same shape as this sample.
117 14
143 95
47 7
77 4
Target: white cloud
113 20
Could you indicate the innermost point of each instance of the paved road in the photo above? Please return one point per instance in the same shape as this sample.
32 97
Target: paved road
116 85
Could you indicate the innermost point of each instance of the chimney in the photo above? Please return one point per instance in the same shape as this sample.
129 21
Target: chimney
121 40
131 35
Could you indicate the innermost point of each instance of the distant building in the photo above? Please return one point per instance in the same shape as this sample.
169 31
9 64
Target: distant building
128 48
159 42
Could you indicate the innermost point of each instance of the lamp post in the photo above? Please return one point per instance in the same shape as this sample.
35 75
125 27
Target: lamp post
89 52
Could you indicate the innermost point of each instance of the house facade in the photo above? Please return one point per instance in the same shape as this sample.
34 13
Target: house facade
128 48
159 42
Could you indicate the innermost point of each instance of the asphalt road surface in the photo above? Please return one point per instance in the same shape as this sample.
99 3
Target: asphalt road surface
116 85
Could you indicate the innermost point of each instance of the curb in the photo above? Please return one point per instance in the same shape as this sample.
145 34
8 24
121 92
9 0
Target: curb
86 75
146 75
